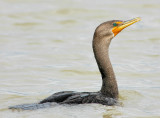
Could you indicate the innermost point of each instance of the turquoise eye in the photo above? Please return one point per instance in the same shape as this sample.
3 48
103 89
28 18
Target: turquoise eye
114 24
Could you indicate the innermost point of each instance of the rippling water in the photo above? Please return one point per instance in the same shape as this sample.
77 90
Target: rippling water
45 47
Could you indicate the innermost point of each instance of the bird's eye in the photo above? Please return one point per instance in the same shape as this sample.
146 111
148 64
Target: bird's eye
115 24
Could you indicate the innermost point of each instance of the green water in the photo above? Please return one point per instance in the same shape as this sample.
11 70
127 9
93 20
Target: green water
45 47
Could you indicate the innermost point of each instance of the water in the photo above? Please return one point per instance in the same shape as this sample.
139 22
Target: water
45 47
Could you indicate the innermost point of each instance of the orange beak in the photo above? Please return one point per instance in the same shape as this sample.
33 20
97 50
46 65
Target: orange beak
123 25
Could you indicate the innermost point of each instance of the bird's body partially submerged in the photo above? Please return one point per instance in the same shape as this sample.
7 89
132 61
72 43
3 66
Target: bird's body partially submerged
69 97
108 95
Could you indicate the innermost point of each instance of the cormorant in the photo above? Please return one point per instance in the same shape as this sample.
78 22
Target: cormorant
108 95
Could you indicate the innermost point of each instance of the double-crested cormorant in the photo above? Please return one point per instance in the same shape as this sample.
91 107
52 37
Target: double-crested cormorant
108 95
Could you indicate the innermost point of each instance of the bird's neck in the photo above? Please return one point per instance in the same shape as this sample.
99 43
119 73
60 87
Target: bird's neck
101 52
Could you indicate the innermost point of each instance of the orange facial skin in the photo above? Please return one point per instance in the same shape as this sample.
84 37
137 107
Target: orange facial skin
121 25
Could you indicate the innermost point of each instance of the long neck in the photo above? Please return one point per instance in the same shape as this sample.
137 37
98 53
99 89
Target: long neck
101 52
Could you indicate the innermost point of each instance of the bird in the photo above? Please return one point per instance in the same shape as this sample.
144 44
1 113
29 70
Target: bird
108 94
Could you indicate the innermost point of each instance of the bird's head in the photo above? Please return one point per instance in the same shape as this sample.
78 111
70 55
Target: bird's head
113 27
